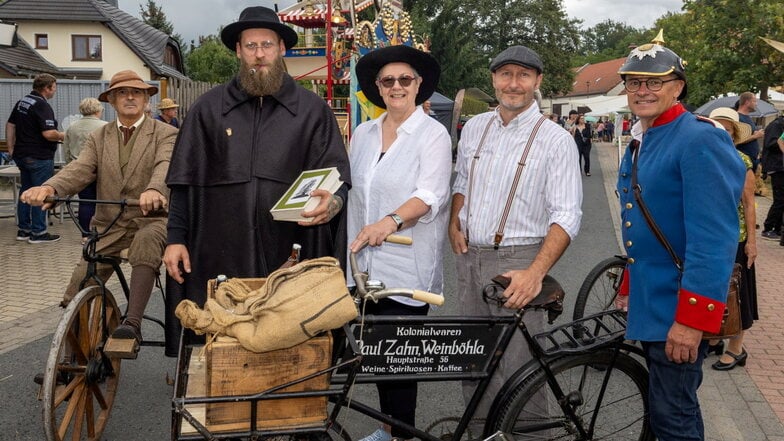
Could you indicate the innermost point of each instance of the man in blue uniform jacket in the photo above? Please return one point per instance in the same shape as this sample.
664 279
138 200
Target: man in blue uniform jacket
691 179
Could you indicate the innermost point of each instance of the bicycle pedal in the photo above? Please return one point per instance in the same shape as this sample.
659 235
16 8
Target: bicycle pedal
125 348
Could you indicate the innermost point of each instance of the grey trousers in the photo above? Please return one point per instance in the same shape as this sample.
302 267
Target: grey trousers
474 271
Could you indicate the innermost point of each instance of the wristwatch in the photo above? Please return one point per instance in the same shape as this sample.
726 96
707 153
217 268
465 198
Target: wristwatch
398 220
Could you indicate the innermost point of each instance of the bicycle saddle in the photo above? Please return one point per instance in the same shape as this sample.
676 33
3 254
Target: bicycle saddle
550 297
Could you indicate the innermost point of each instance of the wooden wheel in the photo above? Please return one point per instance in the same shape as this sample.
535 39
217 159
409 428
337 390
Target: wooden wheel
80 383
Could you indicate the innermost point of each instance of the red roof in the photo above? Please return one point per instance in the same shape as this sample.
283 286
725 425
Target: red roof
597 79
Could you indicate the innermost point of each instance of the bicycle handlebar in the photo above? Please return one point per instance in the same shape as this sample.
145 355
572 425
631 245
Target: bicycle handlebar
361 277
67 200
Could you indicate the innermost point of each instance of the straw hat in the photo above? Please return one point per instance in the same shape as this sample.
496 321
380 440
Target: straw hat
127 78
742 130
167 103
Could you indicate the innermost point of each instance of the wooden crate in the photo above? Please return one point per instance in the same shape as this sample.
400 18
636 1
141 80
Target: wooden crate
232 370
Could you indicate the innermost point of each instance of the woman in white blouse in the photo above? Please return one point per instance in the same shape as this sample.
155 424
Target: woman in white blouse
401 163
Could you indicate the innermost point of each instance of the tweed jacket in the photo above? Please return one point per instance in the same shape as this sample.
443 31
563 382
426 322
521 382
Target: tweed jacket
99 161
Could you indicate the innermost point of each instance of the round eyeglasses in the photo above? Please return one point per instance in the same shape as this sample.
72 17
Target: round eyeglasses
652 84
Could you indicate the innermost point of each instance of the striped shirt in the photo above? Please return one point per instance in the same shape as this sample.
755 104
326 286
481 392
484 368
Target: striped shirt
550 189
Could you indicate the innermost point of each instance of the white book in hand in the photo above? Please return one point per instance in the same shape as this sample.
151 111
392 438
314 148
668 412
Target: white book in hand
297 198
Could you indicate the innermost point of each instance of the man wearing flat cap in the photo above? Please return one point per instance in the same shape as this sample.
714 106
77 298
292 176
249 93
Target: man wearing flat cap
243 144
509 219
687 175
128 159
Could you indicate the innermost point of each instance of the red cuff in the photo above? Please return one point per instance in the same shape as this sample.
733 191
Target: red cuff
699 312
623 290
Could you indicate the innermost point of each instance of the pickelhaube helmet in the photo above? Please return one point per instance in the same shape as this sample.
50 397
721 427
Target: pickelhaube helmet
655 60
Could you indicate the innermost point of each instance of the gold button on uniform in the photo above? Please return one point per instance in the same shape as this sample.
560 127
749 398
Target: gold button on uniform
629 206
628 244
711 307
692 301
627 224
630 260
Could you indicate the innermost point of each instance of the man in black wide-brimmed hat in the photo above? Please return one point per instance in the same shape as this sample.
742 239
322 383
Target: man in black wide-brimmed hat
241 147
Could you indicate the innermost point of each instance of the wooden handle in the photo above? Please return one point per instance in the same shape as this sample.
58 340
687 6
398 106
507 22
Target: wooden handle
428 297
400 240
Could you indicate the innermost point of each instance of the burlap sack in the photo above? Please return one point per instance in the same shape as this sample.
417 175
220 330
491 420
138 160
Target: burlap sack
295 304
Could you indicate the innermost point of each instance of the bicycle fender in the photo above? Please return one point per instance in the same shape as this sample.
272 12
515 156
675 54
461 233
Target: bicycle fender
503 395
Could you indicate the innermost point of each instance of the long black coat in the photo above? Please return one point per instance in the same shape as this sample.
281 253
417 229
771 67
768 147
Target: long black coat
232 161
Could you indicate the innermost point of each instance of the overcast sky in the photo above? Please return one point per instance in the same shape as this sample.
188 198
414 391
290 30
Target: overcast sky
192 18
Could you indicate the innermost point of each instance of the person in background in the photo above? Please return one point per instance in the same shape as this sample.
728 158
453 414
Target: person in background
600 131
127 159
571 121
691 178
245 143
426 108
32 136
543 218
168 112
401 164
75 138
582 137
746 253
773 167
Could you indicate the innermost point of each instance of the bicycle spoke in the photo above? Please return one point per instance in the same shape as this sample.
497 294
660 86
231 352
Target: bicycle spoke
96 327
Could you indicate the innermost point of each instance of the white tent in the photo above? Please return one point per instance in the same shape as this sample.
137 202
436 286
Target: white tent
604 105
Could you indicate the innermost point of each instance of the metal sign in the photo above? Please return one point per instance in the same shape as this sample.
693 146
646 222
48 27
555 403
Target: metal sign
406 348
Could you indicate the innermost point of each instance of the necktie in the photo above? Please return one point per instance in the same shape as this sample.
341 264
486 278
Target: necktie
126 132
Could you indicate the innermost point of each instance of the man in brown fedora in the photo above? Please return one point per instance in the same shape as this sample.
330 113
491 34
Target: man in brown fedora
128 159
168 112
245 143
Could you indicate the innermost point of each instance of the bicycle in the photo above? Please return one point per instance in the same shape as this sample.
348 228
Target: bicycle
80 381
583 382
600 287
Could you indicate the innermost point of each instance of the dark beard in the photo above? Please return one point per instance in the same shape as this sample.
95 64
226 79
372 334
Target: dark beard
262 83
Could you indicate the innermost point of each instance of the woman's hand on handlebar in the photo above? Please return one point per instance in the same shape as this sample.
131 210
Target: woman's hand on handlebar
36 196
152 200
174 254
374 234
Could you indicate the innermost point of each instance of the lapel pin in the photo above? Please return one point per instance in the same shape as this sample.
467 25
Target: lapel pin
228 131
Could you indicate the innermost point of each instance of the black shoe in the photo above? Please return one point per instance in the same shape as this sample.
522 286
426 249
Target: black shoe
43 238
738 360
718 348
770 235
127 331
22 235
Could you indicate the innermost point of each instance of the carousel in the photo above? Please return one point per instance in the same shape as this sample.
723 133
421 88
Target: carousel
332 36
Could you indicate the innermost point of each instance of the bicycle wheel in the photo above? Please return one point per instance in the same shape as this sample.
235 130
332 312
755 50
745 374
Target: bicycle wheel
80 383
532 411
600 287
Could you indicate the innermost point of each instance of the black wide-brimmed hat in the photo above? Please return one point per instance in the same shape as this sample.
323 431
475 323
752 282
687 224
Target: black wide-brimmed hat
257 17
423 63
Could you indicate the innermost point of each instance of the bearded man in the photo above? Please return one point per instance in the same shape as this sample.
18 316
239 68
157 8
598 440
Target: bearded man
241 147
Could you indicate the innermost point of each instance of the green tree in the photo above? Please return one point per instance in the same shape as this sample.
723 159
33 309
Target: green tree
722 48
608 40
153 15
211 61
467 34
